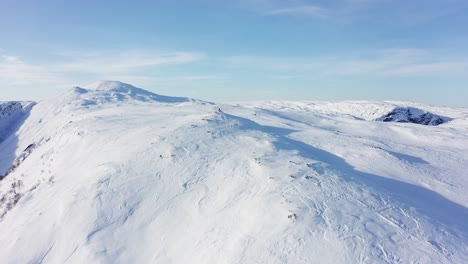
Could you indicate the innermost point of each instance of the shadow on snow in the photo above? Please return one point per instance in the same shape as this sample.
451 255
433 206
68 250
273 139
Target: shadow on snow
426 202
10 144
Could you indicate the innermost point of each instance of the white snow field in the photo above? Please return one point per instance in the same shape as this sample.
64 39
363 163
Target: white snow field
115 174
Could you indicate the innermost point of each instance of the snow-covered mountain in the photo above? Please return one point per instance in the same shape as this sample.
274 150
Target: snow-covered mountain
111 173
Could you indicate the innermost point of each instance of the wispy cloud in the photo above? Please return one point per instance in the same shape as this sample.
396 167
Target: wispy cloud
10 59
70 68
125 61
203 77
402 53
402 63
450 68
306 10
386 62
273 63
282 76
16 72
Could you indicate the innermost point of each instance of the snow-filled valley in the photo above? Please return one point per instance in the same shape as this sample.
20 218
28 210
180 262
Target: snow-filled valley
115 174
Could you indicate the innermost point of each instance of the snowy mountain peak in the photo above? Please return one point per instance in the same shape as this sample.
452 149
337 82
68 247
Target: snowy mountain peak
115 91
115 86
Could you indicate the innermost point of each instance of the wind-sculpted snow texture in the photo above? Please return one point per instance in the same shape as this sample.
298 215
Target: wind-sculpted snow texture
121 175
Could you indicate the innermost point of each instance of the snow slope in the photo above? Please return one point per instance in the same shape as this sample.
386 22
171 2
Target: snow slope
11 114
115 174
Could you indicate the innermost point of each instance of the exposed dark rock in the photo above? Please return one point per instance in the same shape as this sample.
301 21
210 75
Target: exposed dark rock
413 115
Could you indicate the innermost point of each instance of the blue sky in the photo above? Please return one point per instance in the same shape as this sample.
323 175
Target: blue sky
240 50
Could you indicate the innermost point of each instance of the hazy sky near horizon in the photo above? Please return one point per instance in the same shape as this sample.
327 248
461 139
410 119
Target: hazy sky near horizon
240 50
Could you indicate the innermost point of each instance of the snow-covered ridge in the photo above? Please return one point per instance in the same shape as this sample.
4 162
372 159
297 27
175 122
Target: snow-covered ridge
110 173
369 110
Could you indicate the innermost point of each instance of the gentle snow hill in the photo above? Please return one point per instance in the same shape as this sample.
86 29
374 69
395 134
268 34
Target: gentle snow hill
112 91
111 173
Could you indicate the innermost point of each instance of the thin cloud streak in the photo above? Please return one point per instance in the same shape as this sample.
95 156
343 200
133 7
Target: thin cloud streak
127 61
273 63
450 68
16 72
383 63
307 10
203 77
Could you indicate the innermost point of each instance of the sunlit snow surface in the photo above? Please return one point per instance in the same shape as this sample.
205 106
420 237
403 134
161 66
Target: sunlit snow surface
120 175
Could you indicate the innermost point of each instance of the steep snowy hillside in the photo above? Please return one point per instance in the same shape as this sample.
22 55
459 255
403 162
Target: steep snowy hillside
11 115
114 174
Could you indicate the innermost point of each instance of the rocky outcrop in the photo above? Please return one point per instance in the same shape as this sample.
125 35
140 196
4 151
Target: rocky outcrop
413 115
